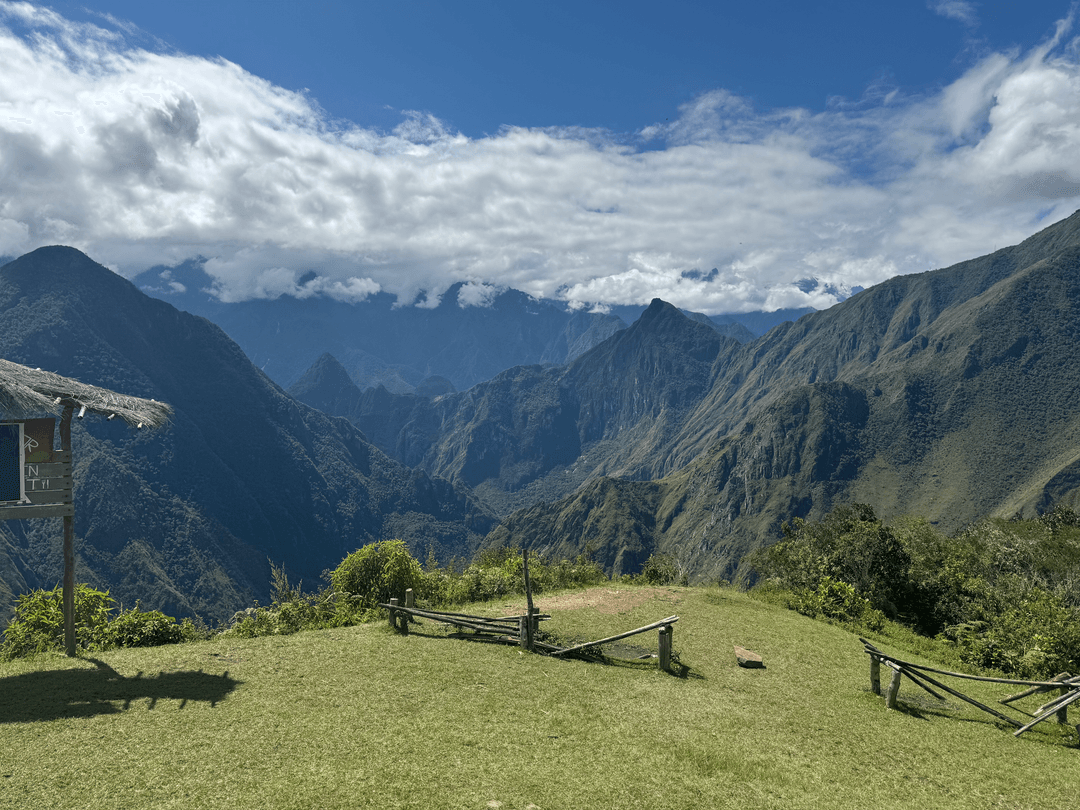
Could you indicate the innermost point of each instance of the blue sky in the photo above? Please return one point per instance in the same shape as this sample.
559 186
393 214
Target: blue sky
619 65
600 153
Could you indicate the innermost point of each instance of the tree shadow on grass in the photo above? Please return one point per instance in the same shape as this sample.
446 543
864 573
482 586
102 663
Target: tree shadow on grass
55 694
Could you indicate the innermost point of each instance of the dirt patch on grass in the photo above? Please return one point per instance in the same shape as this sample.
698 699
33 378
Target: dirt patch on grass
610 600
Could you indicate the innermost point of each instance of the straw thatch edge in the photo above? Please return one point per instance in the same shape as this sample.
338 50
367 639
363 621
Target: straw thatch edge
26 392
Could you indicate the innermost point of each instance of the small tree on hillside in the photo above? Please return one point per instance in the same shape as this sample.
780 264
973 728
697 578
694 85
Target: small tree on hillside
378 572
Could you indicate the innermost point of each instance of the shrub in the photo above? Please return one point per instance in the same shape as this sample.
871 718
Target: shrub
38 623
139 628
378 572
1036 636
835 599
499 572
659 569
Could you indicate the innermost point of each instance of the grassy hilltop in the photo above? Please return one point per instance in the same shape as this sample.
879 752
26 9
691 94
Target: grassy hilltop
361 717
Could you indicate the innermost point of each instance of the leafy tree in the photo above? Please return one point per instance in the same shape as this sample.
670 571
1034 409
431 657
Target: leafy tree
659 569
849 545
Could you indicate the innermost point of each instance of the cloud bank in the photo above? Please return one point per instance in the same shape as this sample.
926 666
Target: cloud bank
142 157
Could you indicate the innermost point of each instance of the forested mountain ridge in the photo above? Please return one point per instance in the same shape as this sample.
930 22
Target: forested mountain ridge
535 432
185 518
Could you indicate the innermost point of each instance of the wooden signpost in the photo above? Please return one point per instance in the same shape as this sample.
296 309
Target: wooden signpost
35 478
44 488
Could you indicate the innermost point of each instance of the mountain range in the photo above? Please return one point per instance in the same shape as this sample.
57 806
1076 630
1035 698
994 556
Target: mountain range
188 518
951 394
462 338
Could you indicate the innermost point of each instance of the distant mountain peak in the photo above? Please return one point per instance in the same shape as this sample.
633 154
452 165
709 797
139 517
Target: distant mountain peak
660 312
326 373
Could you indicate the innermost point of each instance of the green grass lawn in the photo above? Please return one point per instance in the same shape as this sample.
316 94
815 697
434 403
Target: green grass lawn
361 717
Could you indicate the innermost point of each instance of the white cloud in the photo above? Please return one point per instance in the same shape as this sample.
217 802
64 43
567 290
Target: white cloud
142 158
474 294
959 10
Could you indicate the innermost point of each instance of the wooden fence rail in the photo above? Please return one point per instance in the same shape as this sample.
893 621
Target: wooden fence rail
521 630
1069 687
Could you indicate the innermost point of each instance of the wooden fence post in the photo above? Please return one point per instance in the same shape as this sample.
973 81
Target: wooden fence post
393 613
69 547
403 618
665 648
875 674
894 688
1063 712
528 626
523 631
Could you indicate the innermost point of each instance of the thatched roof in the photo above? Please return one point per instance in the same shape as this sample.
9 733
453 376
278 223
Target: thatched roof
27 392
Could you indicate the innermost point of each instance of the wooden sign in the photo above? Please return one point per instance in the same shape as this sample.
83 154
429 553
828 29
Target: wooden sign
11 463
43 473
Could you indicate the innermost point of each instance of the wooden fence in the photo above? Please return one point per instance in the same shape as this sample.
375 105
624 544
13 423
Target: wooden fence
523 630
1068 688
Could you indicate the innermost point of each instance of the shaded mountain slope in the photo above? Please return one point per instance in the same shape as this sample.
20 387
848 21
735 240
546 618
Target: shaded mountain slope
185 518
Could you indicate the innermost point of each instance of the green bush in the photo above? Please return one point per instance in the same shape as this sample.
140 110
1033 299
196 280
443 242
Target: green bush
500 572
1005 593
659 569
38 624
838 600
139 628
1035 636
378 572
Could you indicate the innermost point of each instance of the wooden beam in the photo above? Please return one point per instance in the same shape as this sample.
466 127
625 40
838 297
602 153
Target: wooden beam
28 512
1064 677
894 688
872 650
972 701
69 546
914 678
665 648
1055 707
627 634
528 599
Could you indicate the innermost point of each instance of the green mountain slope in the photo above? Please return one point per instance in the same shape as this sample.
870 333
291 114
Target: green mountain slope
953 394
538 432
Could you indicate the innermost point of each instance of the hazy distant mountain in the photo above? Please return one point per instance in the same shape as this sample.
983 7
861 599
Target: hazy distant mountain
379 343
953 394
185 518
743 326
